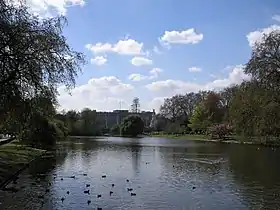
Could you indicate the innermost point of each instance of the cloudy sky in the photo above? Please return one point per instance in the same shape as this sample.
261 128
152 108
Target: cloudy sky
154 49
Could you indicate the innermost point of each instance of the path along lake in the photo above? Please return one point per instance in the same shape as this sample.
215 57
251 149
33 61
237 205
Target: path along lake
163 174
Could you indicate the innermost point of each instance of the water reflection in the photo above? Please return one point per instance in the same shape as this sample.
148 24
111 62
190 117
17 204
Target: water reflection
164 174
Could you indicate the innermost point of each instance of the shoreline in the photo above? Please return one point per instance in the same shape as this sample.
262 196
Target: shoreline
192 138
206 139
14 158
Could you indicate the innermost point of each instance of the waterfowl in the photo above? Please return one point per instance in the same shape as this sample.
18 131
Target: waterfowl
86 191
84 174
133 194
87 185
88 202
113 185
127 180
98 196
62 199
103 176
129 189
61 179
67 192
72 177
111 192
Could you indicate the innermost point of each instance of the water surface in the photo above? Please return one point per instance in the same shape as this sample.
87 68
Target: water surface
164 174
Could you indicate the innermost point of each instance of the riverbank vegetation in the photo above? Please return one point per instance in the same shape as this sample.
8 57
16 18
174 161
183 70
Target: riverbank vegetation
14 156
249 111
35 60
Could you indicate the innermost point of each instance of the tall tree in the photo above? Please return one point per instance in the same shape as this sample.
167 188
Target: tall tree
264 64
34 59
180 107
135 106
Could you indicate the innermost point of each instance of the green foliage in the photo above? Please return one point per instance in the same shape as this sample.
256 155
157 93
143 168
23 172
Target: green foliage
115 130
199 120
84 123
132 126
34 60
42 132
254 111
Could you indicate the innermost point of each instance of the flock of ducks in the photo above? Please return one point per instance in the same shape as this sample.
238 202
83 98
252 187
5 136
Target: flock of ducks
85 191
47 190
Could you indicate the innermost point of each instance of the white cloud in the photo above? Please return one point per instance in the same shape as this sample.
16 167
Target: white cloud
140 61
194 69
102 93
276 17
154 73
156 50
188 36
124 47
137 77
256 36
99 60
171 87
48 8
155 103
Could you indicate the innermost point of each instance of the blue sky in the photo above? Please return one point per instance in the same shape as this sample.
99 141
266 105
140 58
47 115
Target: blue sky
154 49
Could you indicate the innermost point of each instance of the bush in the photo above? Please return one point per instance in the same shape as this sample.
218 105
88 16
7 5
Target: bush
220 131
42 133
132 126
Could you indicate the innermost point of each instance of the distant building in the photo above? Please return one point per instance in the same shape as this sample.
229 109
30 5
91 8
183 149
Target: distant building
108 119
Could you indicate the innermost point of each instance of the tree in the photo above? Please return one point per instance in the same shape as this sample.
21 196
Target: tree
180 107
199 121
135 106
264 63
207 112
34 59
132 126
254 111
213 107
159 123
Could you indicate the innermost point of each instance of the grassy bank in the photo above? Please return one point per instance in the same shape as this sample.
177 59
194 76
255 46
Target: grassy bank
13 157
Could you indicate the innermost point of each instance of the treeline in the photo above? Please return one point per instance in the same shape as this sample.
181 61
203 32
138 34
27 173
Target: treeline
34 60
249 110
83 123
87 123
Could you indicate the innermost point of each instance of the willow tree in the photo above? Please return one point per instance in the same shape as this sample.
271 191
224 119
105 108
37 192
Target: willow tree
35 59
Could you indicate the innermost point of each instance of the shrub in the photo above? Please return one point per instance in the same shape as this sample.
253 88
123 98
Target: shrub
220 131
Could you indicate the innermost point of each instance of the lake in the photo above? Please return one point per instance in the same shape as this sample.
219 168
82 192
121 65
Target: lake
163 174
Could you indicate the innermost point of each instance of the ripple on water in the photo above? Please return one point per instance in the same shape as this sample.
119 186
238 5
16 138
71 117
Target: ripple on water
163 174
